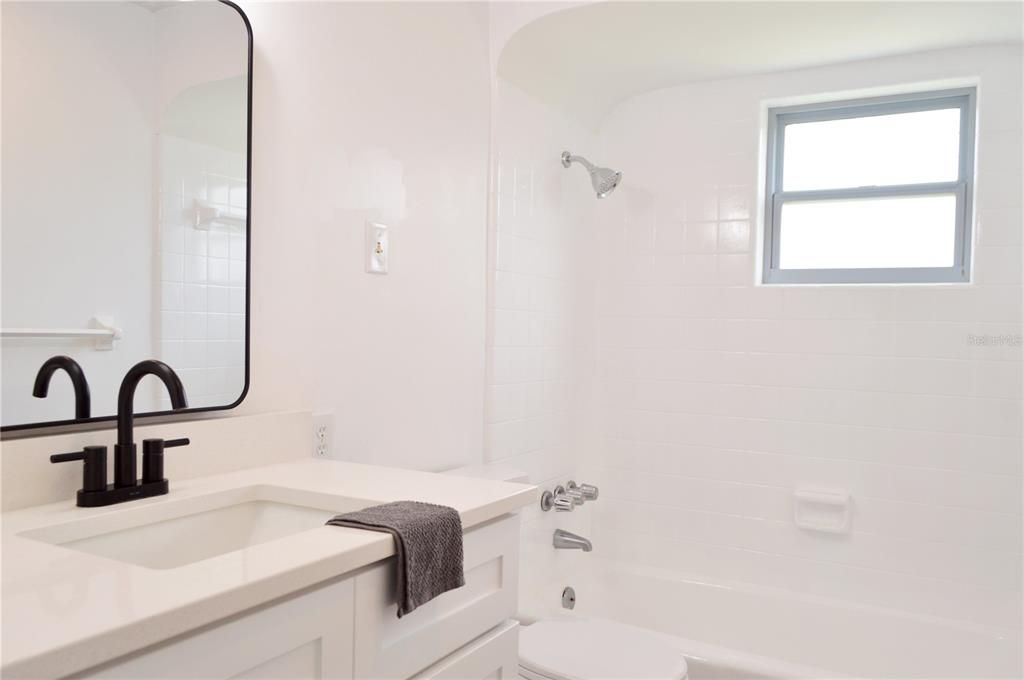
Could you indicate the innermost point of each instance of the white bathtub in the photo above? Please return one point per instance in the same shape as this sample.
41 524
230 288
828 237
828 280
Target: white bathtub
746 632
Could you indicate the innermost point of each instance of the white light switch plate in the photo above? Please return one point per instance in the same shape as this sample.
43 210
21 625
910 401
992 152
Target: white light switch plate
376 248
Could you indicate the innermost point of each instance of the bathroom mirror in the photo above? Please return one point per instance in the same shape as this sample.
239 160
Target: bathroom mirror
125 202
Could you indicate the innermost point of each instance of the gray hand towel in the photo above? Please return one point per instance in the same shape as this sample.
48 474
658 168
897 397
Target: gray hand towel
428 546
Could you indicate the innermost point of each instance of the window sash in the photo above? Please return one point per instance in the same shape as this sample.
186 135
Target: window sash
776 197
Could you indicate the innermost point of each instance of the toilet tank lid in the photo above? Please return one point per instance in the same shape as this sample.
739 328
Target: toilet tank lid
598 649
497 472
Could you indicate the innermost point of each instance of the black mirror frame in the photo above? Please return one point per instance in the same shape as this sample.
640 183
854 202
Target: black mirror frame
97 422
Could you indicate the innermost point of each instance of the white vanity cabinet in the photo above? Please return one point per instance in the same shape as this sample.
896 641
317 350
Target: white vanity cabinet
347 628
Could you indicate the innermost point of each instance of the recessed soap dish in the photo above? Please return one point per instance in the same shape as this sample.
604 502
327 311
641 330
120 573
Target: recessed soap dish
824 510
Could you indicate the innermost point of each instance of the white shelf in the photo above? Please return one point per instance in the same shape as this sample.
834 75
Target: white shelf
103 335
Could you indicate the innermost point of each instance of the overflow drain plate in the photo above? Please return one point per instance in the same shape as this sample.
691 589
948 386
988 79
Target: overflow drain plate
568 598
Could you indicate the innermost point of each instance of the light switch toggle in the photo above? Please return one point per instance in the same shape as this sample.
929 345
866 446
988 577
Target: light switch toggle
376 248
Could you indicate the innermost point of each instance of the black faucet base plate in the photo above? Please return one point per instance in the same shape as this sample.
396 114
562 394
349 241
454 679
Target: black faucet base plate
113 494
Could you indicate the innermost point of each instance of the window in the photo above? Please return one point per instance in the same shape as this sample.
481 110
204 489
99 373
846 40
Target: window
871 191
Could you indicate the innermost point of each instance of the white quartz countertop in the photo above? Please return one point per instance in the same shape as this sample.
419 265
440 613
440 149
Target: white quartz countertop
64 610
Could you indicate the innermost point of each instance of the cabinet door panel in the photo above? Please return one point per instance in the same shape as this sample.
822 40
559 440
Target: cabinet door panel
494 656
389 648
306 636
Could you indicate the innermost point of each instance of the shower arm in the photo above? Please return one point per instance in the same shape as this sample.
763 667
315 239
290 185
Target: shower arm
568 159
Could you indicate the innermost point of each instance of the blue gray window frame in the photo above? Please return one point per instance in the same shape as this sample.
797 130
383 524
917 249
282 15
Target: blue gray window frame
962 188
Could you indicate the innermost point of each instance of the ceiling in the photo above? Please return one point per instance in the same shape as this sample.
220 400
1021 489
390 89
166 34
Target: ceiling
588 58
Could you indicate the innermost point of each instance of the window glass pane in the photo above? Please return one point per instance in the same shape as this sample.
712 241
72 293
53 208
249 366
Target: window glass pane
902 148
869 233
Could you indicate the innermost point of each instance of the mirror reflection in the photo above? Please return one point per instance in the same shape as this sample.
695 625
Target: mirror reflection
125 207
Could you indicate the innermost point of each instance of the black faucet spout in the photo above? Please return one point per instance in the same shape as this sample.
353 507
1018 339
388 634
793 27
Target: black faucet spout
83 402
124 451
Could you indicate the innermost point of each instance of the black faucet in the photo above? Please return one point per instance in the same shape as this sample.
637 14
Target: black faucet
95 491
83 407
124 450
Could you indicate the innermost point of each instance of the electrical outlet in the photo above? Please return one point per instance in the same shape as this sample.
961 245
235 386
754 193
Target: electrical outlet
323 429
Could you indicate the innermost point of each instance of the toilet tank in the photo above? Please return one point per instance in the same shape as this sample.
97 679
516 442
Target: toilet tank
495 471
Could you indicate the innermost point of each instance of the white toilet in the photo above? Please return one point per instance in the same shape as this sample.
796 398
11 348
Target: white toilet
555 649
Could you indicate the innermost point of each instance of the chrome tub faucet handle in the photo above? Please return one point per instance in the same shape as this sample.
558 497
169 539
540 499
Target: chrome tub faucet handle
589 492
559 500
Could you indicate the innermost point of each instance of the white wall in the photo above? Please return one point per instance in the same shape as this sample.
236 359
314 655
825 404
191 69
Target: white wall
719 397
372 111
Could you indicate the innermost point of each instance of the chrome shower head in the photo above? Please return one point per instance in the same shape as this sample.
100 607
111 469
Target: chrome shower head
604 180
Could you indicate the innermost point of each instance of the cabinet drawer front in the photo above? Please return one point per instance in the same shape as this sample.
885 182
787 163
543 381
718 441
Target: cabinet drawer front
494 656
306 636
387 647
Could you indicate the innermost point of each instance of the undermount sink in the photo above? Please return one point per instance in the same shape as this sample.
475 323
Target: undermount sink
179 532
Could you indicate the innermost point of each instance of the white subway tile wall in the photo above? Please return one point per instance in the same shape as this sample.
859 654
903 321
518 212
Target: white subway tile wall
202 273
718 397
540 253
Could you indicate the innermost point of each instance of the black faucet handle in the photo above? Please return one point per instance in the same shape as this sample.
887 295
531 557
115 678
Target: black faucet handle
153 457
94 471
67 457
